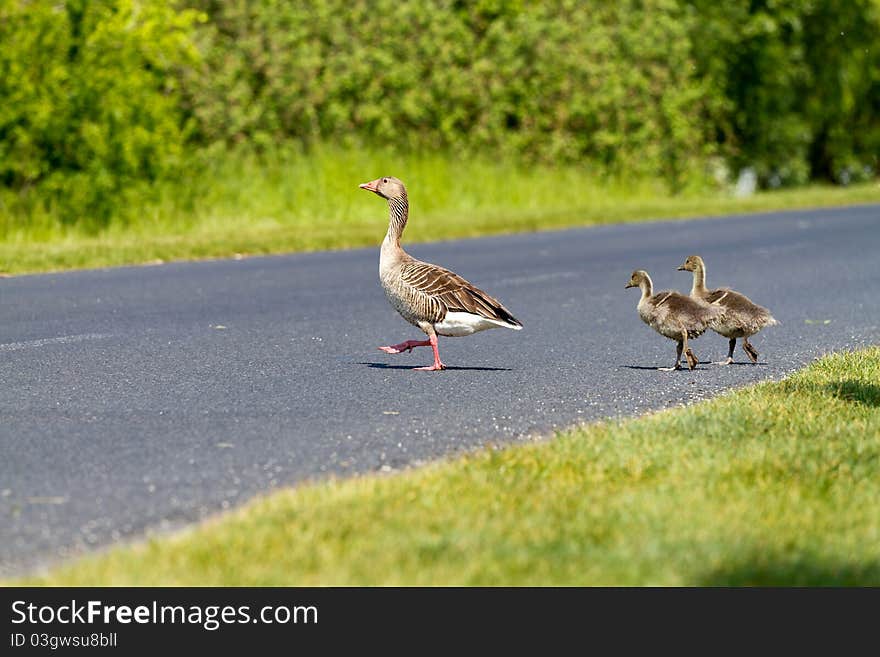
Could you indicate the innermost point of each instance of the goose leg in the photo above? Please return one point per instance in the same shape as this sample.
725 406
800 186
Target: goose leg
678 347
437 364
405 346
751 352
729 354
691 359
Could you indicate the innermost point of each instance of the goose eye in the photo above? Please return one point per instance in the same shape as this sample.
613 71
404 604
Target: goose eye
384 180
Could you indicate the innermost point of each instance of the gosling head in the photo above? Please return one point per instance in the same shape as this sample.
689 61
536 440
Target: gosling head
639 276
388 187
693 263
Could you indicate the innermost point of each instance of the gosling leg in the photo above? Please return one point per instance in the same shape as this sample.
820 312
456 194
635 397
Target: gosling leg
729 353
678 347
751 352
691 359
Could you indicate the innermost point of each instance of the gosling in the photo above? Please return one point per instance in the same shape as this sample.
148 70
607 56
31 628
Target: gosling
673 315
741 317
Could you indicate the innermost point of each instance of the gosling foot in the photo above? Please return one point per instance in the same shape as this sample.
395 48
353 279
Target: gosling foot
751 352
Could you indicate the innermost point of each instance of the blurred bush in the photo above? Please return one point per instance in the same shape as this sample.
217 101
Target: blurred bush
793 86
89 99
608 84
101 98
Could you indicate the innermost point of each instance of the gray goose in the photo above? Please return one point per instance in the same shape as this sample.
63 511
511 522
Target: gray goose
742 317
673 315
435 299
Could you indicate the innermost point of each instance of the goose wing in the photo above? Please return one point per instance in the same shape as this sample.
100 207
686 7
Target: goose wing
454 292
678 310
740 309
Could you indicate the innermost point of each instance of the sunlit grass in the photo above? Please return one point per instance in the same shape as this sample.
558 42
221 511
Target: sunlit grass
776 484
237 203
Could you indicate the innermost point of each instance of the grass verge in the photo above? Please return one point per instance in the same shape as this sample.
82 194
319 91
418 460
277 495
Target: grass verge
776 484
236 203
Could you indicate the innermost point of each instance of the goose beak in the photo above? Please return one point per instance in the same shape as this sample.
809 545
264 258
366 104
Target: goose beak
372 186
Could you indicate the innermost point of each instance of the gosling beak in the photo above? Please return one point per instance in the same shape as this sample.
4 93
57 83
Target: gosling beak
682 268
628 285
372 186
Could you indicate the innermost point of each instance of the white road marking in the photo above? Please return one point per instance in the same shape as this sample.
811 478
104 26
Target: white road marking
64 339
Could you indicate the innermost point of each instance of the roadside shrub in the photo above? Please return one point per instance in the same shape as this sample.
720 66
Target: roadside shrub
89 100
101 99
788 88
606 84
793 85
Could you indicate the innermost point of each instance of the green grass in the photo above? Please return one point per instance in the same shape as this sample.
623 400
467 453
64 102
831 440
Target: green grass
232 203
776 484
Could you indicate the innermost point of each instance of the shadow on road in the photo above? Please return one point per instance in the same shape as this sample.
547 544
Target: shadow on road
386 366
685 369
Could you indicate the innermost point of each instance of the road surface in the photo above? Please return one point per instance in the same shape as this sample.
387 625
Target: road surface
135 400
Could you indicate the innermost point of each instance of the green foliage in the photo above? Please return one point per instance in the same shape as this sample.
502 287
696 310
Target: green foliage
282 200
635 89
605 84
88 101
103 102
793 85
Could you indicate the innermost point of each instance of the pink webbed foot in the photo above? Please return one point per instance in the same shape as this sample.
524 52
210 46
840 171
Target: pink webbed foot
408 346
405 346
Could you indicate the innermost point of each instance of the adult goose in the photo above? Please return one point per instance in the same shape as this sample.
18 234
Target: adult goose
742 317
433 298
673 315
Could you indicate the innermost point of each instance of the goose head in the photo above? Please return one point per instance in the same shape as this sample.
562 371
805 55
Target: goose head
639 277
693 263
387 187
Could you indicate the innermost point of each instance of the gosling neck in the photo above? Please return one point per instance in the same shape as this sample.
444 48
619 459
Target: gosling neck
699 287
646 285
398 212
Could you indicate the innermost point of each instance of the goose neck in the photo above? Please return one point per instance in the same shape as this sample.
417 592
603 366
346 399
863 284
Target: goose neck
699 286
646 285
398 212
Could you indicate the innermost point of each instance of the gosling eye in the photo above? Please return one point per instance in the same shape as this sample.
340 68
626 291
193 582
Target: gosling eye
384 180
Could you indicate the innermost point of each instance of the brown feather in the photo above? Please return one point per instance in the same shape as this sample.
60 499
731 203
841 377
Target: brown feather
669 313
742 317
454 292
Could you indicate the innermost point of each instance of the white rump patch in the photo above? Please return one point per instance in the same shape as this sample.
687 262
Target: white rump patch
456 325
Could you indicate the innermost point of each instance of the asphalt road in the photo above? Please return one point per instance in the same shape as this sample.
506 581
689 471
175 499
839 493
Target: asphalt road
137 399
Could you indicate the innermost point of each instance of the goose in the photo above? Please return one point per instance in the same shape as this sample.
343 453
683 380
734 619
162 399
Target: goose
742 317
430 297
673 315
